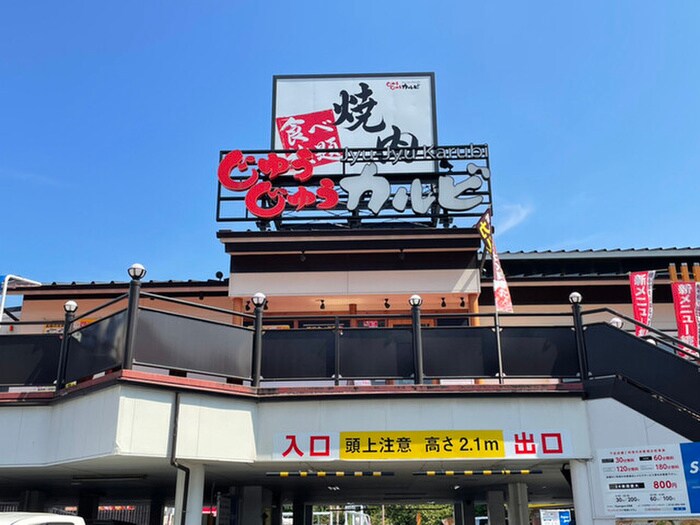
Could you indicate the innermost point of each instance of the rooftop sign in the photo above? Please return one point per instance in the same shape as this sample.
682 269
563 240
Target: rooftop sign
354 150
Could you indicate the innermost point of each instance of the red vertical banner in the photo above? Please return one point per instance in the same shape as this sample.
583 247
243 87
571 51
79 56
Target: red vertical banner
641 288
501 293
685 303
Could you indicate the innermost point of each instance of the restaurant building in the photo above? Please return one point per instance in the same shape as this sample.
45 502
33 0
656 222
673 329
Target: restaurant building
361 350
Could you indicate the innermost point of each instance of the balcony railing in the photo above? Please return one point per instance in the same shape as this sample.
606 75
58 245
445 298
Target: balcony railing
262 350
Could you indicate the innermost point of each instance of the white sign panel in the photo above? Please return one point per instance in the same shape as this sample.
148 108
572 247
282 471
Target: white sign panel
438 445
363 111
656 480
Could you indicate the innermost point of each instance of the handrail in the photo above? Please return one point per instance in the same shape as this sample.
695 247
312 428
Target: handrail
104 305
28 323
663 335
204 320
195 305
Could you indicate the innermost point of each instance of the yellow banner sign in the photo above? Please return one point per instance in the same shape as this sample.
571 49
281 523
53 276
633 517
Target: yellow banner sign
430 444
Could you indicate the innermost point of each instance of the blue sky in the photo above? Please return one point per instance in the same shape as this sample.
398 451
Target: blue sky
112 115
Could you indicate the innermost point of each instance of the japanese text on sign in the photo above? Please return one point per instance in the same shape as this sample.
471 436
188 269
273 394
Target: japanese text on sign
424 444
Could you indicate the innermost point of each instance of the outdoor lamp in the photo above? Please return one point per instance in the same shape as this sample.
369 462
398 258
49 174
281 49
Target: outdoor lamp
415 300
616 322
70 307
137 271
258 299
575 298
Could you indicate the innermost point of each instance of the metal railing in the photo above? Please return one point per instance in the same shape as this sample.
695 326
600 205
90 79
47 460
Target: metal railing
245 348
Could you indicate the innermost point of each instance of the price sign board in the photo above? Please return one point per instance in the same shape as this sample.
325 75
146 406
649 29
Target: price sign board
655 480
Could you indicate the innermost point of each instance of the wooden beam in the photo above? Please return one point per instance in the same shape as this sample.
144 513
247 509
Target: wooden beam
684 272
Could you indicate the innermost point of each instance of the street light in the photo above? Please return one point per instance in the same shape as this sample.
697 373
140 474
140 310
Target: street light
575 298
415 301
616 322
137 271
70 307
258 299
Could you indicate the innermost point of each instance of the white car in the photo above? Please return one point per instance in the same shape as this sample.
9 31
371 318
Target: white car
38 518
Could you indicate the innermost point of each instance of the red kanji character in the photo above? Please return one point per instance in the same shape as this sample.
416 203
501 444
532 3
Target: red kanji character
525 444
326 443
273 165
302 198
552 444
264 189
303 164
234 160
292 446
327 194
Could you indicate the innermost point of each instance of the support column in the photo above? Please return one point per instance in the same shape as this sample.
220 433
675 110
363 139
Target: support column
32 501
518 513
468 512
193 501
88 503
495 505
580 487
155 513
251 506
276 518
298 507
464 512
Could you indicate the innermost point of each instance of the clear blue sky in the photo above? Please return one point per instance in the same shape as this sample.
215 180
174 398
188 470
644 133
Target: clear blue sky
112 115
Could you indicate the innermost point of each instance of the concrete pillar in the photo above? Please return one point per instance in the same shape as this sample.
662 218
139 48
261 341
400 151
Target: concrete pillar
194 499
88 503
32 501
298 509
251 506
465 514
155 512
581 488
468 512
518 513
495 505
276 518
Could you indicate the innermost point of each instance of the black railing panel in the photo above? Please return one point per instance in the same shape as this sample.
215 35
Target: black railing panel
30 359
298 354
539 351
176 342
376 353
460 352
614 352
96 348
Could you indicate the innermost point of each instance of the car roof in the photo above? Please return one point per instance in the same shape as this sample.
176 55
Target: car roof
36 517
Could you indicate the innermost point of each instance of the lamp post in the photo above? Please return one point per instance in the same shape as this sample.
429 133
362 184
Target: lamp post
575 299
415 301
258 300
136 272
616 322
69 309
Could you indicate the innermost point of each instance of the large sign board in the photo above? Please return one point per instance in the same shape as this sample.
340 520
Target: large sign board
402 445
650 481
353 149
383 111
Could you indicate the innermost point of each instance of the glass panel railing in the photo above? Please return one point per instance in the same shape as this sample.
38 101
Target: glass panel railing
459 352
612 351
539 351
30 360
176 342
96 348
298 354
376 353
